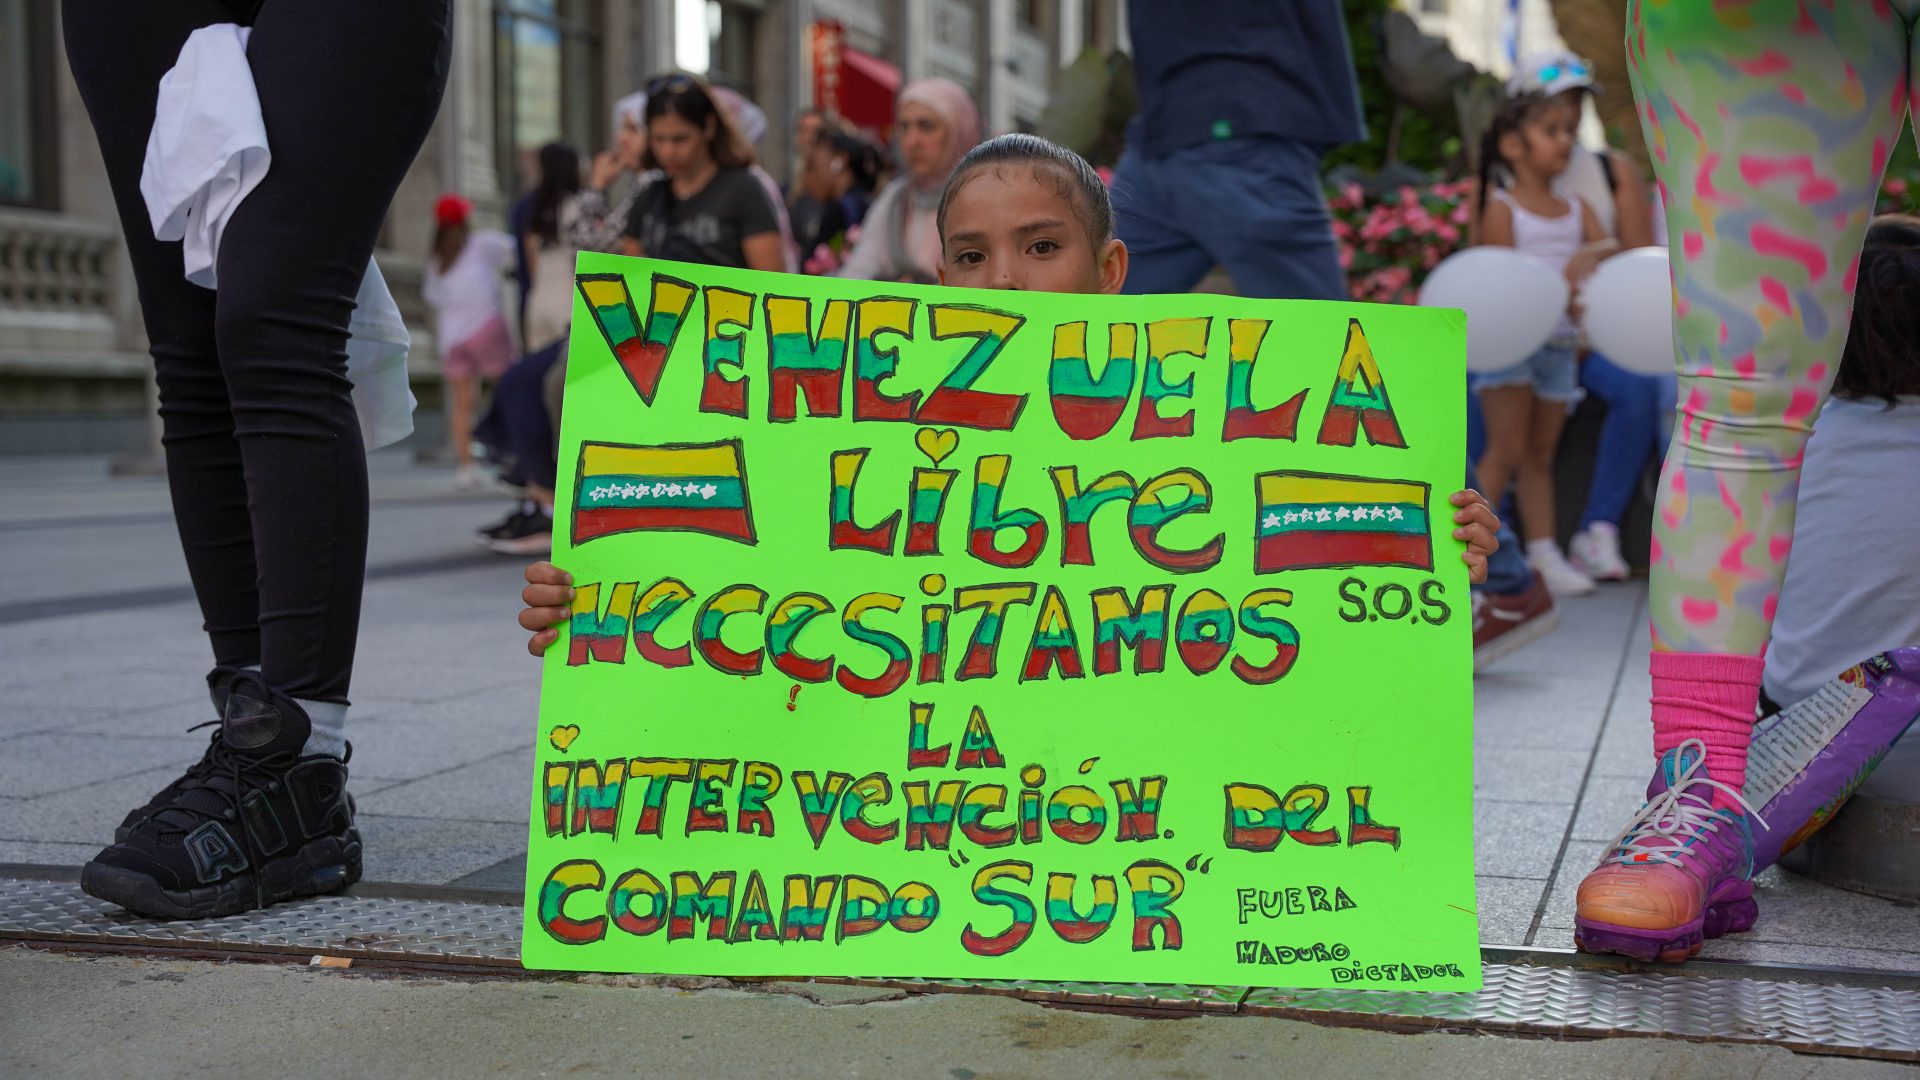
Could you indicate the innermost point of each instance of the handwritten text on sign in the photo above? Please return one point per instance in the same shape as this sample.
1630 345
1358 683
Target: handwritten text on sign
943 633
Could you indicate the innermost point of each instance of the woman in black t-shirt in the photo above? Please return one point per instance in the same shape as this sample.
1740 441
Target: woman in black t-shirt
707 208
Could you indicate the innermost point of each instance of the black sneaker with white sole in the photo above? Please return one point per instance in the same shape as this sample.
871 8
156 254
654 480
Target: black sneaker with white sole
255 823
507 525
529 533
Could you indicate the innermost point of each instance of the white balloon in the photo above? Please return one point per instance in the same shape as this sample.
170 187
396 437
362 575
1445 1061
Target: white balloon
1513 301
1628 312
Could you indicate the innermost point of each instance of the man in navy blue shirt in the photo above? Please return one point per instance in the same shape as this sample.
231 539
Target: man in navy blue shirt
1239 101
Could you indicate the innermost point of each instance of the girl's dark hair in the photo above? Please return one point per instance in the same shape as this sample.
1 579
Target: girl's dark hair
689 99
863 158
1512 114
1882 357
1076 180
559 178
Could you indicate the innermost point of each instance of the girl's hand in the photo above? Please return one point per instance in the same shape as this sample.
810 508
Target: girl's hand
606 166
1478 526
549 600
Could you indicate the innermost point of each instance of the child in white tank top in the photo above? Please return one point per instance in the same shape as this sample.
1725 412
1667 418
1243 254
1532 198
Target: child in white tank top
1527 146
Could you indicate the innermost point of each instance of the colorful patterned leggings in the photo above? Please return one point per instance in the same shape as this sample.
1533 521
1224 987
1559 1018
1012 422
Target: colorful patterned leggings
1770 123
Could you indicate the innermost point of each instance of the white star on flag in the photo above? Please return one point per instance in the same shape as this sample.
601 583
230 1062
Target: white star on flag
1323 515
1395 513
1271 521
1341 513
673 489
708 491
1291 517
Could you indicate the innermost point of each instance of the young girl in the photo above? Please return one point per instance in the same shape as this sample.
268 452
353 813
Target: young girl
549 253
1018 213
462 283
706 207
1528 144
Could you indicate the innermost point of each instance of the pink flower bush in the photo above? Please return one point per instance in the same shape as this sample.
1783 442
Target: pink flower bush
1388 242
1900 191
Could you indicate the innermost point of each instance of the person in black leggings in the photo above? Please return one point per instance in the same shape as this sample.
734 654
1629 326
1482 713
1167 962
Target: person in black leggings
265 458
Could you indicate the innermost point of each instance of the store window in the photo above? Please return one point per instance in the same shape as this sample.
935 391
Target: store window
546 82
27 151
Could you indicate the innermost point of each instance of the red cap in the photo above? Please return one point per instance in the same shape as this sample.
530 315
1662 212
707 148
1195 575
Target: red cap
452 210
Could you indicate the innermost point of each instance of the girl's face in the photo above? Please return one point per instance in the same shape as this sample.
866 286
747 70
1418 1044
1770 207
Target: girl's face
628 144
825 172
678 146
1008 228
1544 142
923 141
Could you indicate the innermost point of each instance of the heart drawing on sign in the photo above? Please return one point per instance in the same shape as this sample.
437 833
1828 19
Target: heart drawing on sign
937 443
562 737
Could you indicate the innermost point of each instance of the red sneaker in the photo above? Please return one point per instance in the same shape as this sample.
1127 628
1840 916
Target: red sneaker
1503 623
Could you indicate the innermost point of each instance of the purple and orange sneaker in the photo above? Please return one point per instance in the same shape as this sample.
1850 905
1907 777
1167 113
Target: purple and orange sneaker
1680 873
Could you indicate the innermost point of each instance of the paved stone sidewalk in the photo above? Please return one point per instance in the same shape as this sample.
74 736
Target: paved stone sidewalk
99 640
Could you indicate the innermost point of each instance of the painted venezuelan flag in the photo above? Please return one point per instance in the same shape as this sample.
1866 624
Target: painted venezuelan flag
684 488
1309 520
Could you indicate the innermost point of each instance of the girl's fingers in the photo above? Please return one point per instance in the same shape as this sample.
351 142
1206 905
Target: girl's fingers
547 596
537 644
545 573
541 618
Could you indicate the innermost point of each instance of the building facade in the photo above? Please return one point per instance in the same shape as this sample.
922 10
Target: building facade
73 364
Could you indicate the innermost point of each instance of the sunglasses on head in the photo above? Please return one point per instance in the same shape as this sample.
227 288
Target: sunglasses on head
670 84
1553 71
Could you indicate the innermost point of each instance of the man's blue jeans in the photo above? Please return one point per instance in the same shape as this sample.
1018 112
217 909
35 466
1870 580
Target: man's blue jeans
1638 407
1252 205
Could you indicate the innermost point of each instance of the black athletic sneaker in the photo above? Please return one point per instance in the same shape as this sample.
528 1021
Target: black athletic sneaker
511 523
219 683
256 823
528 533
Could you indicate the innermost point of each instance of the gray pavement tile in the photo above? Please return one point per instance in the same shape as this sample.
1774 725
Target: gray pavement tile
40 853
87 812
45 764
495 789
67 682
1528 774
1506 908
509 873
432 851
158 722
1607 806
1798 909
1514 839
412 741
1536 709
75 718
1581 857
1748 947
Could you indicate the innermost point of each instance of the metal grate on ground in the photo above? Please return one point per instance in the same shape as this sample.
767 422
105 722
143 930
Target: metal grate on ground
1806 1011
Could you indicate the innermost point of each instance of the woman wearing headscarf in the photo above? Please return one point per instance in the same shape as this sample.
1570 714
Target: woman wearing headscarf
593 218
936 124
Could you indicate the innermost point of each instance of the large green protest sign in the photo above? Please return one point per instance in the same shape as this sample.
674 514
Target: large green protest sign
951 633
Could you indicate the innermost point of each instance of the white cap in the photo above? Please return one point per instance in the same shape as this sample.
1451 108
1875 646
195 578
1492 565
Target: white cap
1551 73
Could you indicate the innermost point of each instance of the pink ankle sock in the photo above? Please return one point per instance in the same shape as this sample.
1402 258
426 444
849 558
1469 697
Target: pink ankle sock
1710 697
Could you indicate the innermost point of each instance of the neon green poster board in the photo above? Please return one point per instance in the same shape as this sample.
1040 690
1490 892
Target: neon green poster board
949 633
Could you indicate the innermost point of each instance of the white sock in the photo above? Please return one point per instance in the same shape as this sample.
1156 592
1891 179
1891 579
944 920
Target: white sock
329 728
1543 550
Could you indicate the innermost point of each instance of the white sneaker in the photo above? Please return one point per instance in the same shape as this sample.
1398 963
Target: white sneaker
471 478
1554 569
1596 553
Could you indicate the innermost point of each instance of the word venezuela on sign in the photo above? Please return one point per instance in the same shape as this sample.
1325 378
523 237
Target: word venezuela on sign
957 634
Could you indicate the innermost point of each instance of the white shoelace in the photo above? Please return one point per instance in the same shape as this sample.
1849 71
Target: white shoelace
1676 816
